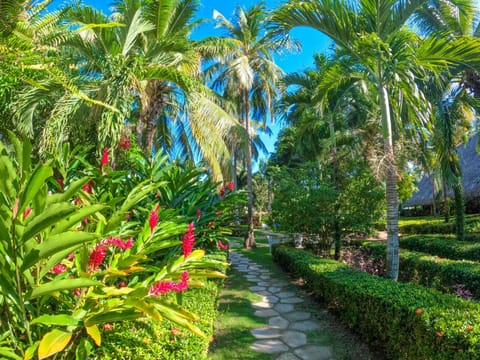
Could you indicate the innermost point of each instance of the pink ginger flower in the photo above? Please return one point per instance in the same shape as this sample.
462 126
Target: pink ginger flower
222 245
71 256
163 287
104 160
153 219
26 212
188 240
60 183
107 326
77 292
199 212
58 269
230 186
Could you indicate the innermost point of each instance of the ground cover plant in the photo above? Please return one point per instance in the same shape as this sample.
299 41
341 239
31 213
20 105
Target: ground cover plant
444 246
88 248
406 320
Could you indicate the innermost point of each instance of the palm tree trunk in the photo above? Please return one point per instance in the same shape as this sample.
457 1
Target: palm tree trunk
459 209
434 203
250 238
337 237
392 256
446 203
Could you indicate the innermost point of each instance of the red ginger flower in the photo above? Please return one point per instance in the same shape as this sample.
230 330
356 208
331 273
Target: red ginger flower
125 143
188 240
88 187
153 219
58 269
230 186
100 250
199 212
163 287
104 160
26 212
439 334
222 191
419 311
222 245
107 326
60 183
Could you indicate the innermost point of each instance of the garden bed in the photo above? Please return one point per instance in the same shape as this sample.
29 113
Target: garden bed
406 320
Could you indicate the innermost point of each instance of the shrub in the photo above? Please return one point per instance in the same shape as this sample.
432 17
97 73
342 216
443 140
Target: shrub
406 320
461 277
436 225
444 246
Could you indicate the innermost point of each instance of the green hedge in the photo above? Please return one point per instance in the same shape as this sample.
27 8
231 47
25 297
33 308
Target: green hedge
149 339
384 312
433 271
442 245
437 225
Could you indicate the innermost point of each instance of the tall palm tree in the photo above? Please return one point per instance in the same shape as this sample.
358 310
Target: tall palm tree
374 35
249 72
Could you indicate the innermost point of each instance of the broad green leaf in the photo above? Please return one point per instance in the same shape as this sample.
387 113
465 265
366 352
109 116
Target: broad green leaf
52 214
53 342
30 352
94 334
61 319
72 189
8 175
112 316
77 217
57 243
6 353
36 181
145 307
179 318
60 285
206 274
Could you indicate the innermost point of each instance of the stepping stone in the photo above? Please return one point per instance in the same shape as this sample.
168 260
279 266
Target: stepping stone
251 277
314 352
265 277
284 308
263 283
270 346
271 299
266 313
262 305
297 316
264 293
294 338
278 322
274 289
266 333
292 300
257 288
307 325
287 356
243 270
285 294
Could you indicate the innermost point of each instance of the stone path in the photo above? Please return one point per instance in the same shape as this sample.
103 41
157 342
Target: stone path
286 332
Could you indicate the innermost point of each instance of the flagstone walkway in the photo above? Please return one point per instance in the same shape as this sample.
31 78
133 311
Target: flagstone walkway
288 326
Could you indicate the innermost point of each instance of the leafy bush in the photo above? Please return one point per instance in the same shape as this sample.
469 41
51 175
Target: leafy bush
432 225
460 277
445 246
407 321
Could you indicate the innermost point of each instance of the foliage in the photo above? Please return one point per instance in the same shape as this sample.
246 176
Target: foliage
425 322
436 225
82 251
433 271
444 246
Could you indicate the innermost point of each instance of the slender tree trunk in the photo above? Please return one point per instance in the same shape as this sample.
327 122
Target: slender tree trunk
250 238
446 203
337 236
459 209
392 256
434 203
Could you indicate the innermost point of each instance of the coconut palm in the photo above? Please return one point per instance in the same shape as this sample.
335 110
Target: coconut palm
373 34
249 72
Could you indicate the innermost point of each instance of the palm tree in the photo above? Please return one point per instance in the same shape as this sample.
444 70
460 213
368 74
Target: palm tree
249 72
373 34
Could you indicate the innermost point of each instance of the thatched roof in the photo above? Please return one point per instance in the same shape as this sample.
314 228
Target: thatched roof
470 165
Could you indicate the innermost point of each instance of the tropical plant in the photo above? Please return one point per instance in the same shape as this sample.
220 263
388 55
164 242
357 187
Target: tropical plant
373 36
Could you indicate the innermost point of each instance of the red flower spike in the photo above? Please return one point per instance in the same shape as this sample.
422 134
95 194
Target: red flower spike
88 187
107 327
77 292
175 331
439 334
199 212
222 192
188 240
26 212
163 287
96 256
468 328
230 186
125 143
127 216
60 183
218 213
104 160
153 220
222 245
123 284
419 311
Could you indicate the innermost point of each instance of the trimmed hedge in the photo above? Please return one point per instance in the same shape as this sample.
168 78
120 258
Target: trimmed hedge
407 321
442 245
433 271
437 226
151 340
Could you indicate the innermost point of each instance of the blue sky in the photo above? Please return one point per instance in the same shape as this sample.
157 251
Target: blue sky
311 40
